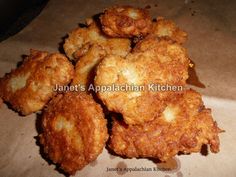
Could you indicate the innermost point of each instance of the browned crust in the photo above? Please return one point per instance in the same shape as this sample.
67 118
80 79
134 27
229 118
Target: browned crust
153 61
192 127
167 28
81 39
126 21
43 71
85 67
74 131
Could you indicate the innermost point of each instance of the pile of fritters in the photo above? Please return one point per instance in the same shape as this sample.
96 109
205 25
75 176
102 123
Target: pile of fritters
145 123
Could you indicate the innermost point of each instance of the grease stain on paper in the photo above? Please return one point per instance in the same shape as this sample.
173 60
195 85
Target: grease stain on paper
121 165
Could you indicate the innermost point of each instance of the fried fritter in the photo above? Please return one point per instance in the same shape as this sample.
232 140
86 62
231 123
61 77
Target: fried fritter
85 66
154 61
29 87
184 126
74 131
126 21
167 28
81 39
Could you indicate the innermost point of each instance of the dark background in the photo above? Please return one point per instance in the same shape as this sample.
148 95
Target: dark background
15 14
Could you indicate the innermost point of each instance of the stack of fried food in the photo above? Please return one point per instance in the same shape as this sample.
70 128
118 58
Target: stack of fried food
123 46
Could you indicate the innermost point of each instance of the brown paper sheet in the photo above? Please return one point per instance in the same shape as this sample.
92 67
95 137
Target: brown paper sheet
211 27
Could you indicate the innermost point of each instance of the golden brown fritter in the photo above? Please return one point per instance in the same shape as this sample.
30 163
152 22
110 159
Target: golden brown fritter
152 62
86 65
184 126
29 87
126 21
167 28
81 39
74 130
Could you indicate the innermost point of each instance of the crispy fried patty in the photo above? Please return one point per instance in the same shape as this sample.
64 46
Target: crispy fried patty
74 130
